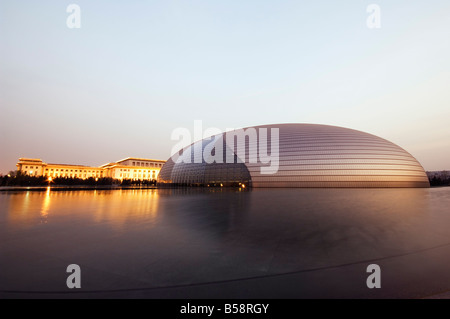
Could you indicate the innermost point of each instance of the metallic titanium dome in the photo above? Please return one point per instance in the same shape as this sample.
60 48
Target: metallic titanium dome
310 155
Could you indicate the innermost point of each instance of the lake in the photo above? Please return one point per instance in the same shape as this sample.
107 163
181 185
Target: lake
225 243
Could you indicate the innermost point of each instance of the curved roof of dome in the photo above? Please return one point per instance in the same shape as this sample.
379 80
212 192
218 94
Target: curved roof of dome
309 155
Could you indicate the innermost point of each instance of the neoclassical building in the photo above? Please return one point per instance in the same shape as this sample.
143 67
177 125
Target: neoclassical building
128 168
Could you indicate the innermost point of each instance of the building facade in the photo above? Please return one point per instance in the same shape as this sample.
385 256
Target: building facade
133 168
129 168
310 155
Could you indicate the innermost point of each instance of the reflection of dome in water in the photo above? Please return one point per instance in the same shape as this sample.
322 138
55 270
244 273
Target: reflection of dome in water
310 155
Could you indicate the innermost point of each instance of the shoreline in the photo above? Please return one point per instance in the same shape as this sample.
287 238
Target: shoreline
71 188
100 187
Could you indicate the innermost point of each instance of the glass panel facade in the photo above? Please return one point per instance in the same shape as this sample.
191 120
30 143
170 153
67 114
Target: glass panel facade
215 173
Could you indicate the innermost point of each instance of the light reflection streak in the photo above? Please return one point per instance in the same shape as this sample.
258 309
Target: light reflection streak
45 206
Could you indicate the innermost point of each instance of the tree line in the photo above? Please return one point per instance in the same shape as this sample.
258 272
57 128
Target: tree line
17 178
439 178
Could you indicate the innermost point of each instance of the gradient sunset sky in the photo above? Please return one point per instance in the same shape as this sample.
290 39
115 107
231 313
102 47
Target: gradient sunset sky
136 70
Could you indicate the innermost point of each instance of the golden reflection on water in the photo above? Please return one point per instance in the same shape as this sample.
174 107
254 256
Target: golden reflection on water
45 206
113 207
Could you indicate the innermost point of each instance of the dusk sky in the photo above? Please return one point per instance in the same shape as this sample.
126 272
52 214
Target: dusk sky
136 70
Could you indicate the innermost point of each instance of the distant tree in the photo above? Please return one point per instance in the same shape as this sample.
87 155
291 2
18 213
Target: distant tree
126 182
12 173
445 178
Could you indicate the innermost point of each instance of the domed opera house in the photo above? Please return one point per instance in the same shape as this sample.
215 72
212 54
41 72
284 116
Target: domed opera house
293 155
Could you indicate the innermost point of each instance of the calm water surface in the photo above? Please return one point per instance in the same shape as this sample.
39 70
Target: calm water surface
126 239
